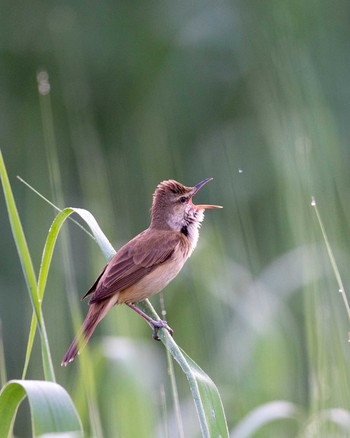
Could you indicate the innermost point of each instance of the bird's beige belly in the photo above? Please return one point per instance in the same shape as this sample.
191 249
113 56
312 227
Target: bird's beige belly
152 283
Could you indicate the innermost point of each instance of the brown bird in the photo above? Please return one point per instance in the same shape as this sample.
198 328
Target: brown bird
146 264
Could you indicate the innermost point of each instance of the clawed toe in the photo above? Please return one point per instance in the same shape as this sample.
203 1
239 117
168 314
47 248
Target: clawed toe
158 325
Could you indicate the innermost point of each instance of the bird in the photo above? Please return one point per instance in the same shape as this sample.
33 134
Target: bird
148 262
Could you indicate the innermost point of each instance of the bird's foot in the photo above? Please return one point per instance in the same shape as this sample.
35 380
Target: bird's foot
159 324
155 323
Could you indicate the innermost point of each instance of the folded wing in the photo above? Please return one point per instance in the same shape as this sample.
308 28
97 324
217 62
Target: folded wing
133 261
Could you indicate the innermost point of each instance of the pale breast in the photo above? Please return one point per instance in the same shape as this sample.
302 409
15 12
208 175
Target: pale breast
153 282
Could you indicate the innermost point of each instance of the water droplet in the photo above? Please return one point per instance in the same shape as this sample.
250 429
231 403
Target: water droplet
313 201
341 290
240 171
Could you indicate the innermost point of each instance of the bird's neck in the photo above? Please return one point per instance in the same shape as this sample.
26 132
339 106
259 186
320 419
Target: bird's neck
188 226
191 232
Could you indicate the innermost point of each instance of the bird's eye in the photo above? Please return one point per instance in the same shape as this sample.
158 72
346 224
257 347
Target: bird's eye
183 199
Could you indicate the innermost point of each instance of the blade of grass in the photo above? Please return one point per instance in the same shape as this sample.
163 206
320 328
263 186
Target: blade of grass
52 410
3 376
173 379
28 269
331 258
205 394
263 415
164 411
20 240
30 342
53 205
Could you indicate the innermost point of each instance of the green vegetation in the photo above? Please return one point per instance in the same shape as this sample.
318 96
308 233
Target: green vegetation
46 398
253 94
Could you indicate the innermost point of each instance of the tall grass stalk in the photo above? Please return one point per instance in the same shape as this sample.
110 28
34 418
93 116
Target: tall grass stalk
29 274
171 372
331 258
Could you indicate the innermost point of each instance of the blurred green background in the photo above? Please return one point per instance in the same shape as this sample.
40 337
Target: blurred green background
254 94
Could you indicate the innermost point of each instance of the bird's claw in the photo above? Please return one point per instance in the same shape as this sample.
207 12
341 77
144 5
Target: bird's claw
159 324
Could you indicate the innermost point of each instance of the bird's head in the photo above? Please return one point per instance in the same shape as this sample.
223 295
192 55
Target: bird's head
173 206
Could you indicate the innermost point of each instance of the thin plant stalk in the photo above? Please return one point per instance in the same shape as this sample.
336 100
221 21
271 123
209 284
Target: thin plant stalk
173 380
28 270
331 258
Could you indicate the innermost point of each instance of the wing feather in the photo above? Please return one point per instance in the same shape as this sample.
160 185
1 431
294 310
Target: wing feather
133 261
93 287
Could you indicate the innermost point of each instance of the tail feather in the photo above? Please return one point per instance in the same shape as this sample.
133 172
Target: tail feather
95 314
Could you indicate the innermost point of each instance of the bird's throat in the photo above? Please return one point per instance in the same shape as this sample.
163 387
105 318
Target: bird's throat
190 229
184 230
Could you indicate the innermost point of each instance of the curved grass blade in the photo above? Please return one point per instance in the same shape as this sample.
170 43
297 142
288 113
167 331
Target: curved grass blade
50 243
210 401
52 410
205 394
263 415
28 269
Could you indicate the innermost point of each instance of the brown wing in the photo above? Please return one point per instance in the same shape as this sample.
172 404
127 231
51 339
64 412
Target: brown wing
133 261
93 287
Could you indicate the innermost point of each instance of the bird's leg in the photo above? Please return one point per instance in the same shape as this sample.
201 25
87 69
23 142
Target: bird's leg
156 324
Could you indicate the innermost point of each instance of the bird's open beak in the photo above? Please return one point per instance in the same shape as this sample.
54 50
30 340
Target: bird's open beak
196 188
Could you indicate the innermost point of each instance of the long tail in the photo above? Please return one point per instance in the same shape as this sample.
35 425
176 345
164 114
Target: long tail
95 314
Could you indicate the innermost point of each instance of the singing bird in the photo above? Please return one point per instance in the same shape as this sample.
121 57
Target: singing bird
148 262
